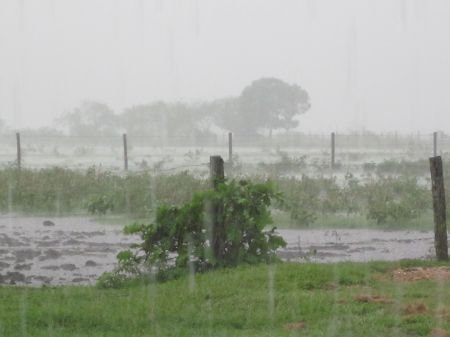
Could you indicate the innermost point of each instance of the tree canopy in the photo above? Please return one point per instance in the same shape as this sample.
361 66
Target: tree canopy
272 104
267 103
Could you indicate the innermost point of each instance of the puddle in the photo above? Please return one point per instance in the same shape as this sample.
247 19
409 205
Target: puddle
75 250
357 245
72 250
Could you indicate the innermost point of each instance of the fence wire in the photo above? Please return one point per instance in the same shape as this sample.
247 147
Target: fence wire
190 152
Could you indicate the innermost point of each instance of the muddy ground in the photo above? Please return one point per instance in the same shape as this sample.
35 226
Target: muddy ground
358 245
74 250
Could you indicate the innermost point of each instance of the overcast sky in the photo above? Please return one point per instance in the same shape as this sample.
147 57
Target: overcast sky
379 65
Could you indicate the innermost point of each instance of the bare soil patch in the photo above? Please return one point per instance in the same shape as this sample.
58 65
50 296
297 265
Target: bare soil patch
437 332
413 309
420 273
295 326
443 312
373 299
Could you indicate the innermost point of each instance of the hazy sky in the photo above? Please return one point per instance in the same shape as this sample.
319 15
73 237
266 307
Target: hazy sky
376 64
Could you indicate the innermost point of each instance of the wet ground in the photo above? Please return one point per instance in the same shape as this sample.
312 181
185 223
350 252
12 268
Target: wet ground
76 250
357 245
57 251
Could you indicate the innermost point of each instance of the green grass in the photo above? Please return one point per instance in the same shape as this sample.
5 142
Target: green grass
233 302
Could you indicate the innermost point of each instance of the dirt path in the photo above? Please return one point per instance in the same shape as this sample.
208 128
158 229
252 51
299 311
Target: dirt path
76 250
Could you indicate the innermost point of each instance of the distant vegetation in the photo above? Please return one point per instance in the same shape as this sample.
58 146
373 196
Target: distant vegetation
376 200
265 104
59 191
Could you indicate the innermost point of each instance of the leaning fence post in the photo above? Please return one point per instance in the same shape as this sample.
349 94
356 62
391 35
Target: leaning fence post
19 151
333 149
440 223
217 175
125 152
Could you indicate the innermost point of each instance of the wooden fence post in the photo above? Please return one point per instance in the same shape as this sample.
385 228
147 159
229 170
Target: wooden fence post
230 149
217 175
333 149
19 151
440 223
216 171
125 152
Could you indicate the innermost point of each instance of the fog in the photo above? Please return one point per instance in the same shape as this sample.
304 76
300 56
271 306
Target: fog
367 65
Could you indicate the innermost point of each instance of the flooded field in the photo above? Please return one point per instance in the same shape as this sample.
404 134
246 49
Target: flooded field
57 251
74 250
357 245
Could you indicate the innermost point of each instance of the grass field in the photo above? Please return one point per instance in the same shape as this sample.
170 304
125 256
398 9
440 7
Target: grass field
342 299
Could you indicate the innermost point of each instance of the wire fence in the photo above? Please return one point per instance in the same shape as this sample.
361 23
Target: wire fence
191 152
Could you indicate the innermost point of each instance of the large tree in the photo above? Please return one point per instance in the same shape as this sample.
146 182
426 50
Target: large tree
270 103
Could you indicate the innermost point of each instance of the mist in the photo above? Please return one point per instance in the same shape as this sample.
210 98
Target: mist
367 65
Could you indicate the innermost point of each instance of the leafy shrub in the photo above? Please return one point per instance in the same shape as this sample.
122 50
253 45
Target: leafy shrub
100 205
301 199
189 237
331 195
396 200
352 192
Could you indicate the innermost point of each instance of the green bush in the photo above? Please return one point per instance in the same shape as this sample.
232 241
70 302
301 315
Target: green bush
189 237
300 199
100 205
391 200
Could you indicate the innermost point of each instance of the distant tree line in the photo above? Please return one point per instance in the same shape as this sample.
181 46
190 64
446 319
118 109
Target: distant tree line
265 105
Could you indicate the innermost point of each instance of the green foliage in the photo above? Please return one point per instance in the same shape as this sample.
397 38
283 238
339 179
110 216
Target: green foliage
385 200
110 280
191 237
100 205
396 200
301 199
352 202
64 191
243 215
